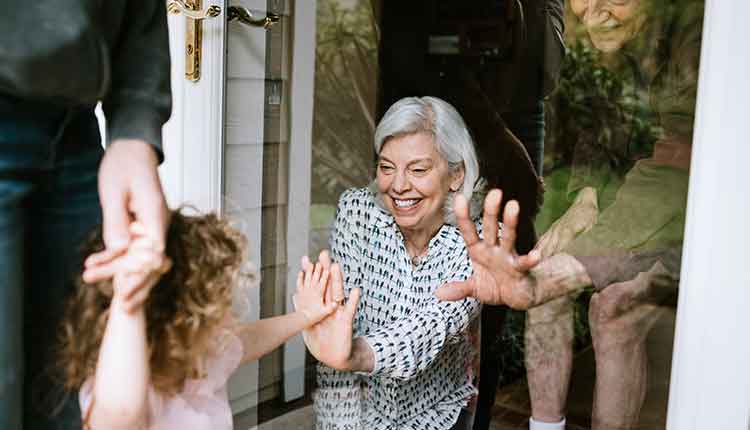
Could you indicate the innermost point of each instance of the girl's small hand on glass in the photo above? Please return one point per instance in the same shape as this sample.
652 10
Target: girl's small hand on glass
311 298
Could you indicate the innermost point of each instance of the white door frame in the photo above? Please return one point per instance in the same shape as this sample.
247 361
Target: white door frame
192 172
205 125
710 383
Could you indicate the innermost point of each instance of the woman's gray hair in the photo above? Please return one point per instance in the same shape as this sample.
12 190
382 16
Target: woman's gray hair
435 117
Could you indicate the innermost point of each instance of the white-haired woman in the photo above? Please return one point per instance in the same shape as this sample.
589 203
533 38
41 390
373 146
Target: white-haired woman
404 360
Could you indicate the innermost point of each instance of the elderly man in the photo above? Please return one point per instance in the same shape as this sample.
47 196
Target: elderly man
630 252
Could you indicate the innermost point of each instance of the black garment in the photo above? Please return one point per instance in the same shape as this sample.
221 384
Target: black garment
499 95
73 53
522 74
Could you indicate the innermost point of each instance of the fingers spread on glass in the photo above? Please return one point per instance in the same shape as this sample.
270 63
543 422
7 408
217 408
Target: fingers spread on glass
337 284
490 216
465 224
510 222
351 305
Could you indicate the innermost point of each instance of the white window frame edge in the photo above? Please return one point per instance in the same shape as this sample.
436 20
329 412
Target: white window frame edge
300 169
213 65
203 140
710 382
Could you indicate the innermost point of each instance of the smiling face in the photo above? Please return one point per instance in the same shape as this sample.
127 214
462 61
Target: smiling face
414 180
609 23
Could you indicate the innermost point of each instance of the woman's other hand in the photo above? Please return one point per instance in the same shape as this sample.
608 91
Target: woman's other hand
500 274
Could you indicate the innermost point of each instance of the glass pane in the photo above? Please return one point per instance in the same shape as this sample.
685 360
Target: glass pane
605 123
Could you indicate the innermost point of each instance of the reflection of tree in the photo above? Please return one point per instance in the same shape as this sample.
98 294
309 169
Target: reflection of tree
599 122
345 93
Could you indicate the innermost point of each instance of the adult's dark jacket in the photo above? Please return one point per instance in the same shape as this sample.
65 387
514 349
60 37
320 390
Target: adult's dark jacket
530 35
74 53
507 59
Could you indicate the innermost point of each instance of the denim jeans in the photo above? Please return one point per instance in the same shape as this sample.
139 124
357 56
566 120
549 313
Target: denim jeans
49 158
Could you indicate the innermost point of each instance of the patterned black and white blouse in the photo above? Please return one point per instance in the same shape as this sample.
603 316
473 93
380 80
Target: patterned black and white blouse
424 349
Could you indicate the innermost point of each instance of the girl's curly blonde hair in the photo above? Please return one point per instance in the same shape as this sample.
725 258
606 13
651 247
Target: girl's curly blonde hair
182 311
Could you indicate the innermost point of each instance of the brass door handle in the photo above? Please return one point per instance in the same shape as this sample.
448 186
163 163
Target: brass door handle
194 17
190 10
243 15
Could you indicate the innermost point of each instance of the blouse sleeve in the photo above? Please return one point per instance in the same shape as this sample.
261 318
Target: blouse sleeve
407 346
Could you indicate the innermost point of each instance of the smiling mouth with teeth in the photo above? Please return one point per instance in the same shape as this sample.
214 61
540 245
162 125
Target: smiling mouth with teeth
405 203
608 25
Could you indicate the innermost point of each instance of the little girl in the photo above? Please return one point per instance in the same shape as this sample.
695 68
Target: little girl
163 363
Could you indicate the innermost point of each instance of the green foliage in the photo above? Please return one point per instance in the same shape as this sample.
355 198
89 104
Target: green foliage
599 114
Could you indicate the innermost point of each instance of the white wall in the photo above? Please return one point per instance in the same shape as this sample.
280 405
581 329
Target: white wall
710 387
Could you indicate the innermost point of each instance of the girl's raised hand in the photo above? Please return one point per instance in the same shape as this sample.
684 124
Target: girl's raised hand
135 272
311 297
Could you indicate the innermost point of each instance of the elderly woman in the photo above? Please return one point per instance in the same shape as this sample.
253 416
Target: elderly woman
404 360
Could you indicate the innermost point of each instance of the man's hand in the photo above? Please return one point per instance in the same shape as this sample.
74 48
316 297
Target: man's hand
579 218
500 274
134 273
129 191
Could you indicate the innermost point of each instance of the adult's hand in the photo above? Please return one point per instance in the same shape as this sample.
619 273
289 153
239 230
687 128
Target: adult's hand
330 340
500 274
129 191
579 218
137 271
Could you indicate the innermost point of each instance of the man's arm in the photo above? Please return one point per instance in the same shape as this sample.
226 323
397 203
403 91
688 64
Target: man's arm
139 100
138 103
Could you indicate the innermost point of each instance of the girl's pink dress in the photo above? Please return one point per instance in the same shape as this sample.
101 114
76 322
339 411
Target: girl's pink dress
203 404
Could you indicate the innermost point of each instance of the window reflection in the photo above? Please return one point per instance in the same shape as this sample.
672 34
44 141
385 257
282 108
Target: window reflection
612 142
620 150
